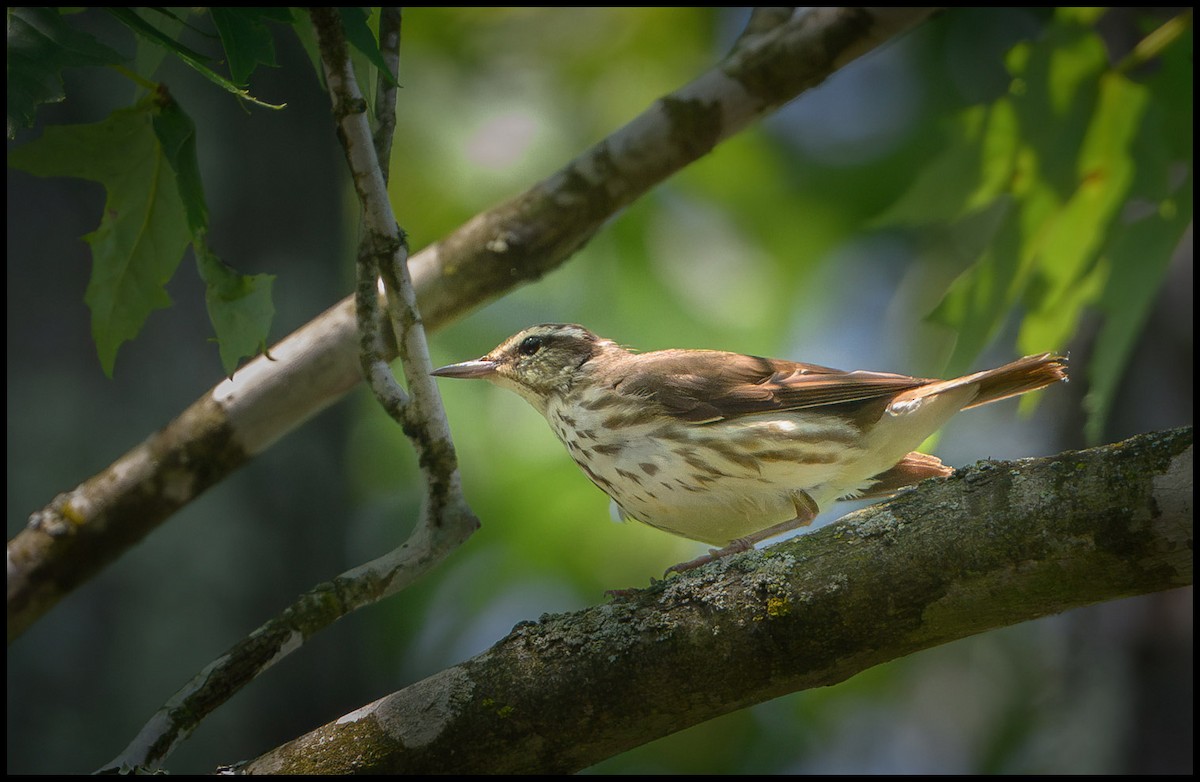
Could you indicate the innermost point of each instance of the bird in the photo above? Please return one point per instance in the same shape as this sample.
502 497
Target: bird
730 449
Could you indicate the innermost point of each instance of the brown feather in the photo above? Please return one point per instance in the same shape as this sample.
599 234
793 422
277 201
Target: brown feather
912 469
1014 378
702 386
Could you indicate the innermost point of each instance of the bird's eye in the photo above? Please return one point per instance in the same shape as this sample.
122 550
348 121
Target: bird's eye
530 345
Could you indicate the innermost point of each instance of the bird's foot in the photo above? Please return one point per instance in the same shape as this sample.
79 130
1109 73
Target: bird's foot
741 544
806 511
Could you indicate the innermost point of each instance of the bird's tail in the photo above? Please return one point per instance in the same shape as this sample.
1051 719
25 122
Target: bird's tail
1020 376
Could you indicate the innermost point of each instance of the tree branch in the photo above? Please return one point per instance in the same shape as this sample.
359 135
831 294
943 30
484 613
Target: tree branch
445 520
996 544
390 22
82 530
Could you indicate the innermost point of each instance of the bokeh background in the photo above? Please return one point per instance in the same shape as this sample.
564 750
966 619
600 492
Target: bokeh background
770 245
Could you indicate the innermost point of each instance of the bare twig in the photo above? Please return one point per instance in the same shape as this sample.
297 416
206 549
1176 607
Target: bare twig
384 252
385 91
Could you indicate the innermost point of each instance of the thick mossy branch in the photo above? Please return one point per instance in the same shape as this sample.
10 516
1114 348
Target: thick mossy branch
996 544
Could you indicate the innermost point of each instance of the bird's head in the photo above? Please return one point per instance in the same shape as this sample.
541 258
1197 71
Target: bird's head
537 362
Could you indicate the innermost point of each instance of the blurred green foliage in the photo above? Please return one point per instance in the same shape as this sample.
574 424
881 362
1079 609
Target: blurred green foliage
989 184
1002 195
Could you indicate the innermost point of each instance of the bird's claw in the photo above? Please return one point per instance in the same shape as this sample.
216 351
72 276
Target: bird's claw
712 556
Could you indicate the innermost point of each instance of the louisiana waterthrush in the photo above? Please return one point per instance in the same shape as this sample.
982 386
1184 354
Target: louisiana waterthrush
731 449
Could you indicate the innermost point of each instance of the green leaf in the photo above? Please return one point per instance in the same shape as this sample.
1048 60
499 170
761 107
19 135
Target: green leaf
1056 152
239 307
40 46
307 36
143 28
358 33
979 299
177 134
247 41
195 60
148 56
940 189
146 159
1139 255
1068 278
144 229
1140 247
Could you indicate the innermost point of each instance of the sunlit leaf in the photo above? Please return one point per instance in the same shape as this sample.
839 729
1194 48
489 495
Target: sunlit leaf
1067 274
1154 223
1057 146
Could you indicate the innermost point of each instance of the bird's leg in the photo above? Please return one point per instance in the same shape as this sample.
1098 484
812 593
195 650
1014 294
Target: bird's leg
908 472
806 511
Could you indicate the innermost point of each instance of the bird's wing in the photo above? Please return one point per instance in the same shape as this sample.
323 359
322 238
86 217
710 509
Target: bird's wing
701 386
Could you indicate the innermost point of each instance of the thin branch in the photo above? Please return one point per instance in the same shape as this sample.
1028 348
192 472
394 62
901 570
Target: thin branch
1153 44
996 544
384 252
446 520
82 530
385 90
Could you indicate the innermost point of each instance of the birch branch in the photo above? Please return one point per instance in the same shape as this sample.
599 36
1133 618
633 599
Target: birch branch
996 544
82 530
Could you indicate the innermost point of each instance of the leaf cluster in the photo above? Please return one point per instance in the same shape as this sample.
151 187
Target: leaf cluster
146 158
1069 191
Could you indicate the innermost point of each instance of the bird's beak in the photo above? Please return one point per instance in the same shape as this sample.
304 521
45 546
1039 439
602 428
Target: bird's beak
479 368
